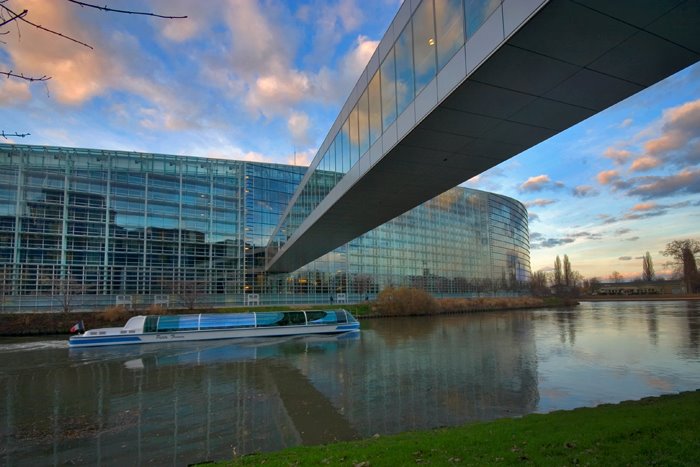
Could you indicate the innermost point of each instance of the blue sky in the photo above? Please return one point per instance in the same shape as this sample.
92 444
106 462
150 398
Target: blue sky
264 80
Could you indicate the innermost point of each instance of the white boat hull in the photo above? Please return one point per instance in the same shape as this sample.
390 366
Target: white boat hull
202 335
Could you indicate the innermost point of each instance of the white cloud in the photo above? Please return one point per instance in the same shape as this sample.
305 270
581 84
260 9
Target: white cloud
298 124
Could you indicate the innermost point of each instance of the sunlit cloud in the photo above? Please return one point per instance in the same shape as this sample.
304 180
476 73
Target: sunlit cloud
298 124
645 163
607 176
539 183
300 158
626 123
540 202
620 156
644 206
13 92
679 137
687 181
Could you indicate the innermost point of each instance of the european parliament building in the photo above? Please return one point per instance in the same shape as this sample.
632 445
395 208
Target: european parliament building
110 227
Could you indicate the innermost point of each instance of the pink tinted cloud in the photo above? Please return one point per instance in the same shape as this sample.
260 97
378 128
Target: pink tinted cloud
685 181
538 183
680 128
644 163
620 156
540 202
607 176
644 206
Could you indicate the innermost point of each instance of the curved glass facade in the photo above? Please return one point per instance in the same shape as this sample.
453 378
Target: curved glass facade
97 228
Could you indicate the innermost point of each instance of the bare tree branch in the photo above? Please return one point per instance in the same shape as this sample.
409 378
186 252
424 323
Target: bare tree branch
14 17
10 74
128 12
7 135
38 26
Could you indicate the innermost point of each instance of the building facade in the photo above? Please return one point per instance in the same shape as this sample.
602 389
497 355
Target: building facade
84 228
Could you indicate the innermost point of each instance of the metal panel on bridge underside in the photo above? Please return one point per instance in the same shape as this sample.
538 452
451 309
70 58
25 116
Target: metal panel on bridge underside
569 61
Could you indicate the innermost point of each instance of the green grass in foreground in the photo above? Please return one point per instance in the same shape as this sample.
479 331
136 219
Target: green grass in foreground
654 431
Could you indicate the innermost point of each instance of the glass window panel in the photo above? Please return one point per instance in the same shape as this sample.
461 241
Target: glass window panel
424 44
363 122
450 29
346 146
388 85
476 12
326 162
375 109
404 69
335 147
354 137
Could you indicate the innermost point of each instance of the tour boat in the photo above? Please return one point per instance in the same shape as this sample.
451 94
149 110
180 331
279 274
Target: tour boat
207 326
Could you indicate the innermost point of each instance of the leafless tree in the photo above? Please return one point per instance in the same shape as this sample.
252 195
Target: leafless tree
568 277
188 292
67 289
9 16
683 254
538 283
616 277
647 268
558 280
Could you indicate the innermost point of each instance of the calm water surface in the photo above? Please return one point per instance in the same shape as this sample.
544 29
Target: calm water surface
174 404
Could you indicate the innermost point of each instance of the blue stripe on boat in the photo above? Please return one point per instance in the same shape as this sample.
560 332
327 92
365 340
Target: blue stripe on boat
111 339
347 327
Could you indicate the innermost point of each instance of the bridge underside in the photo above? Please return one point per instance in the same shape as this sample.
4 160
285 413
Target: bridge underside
568 62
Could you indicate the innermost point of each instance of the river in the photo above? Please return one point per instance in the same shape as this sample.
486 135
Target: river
174 404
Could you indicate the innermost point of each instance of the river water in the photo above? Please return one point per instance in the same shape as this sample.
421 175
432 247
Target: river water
174 404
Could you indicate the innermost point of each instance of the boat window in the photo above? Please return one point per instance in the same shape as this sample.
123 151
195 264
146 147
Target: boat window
295 317
282 318
178 323
269 319
321 317
151 324
227 320
340 316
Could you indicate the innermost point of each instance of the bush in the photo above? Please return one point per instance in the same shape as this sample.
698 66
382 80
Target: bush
115 314
454 305
156 309
405 301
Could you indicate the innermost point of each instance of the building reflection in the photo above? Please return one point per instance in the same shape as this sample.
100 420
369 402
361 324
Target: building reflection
186 404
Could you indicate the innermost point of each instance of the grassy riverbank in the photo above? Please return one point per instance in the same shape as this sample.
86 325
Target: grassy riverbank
653 431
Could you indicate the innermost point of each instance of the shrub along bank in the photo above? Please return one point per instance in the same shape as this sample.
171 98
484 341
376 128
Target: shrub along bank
390 302
652 431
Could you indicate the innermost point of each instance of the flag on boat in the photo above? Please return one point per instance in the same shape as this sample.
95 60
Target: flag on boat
78 327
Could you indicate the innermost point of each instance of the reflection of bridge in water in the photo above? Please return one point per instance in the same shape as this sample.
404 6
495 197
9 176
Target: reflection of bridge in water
444 99
184 403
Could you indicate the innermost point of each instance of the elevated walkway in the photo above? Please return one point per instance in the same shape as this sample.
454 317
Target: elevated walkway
532 70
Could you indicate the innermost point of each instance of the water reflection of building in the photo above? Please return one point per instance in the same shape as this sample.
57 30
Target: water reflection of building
190 402
140 225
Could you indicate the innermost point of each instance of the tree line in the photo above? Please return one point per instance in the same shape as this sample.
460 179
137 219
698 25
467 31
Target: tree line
563 280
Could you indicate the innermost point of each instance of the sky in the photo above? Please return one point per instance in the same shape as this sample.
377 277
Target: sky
264 80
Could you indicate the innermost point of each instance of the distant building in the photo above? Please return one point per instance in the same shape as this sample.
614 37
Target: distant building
114 227
674 287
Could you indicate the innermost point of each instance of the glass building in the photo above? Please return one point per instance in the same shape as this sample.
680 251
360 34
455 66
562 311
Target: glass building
99 228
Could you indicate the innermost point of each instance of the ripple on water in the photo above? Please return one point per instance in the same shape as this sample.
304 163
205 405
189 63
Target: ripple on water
33 345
